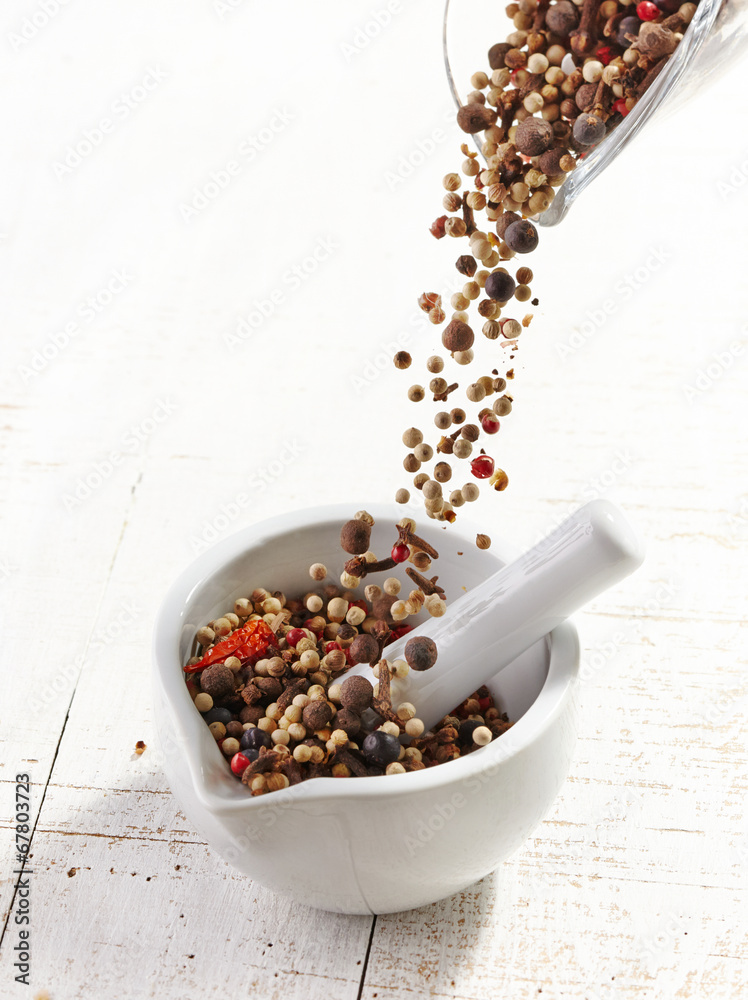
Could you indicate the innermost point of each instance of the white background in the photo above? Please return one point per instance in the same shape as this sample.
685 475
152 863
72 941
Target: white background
632 886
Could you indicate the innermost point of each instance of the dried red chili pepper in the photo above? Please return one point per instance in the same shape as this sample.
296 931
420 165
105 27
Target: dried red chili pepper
250 640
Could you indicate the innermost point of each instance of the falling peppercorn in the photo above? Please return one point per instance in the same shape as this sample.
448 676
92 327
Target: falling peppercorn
421 653
457 336
355 536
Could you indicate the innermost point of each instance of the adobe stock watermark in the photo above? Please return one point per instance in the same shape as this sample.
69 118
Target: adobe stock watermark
735 181
599 656
129 444
224 7
713 370
119 111
223 177
423 149
66 676
291 280
623 291
37 21
655 948
87 311
378 21
380 362
259 481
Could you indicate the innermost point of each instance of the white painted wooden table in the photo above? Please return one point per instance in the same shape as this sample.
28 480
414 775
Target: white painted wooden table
238 157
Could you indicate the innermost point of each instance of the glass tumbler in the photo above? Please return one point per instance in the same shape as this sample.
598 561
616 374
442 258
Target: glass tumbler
716 37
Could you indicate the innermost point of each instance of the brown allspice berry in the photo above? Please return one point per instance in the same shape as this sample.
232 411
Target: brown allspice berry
457 415
585 96
420 480
568 108
356 694
550 162
497 54
421 653
217 681
505 221
457 336
562 18
402 360
474 118
316 715
363 649
355 537
349 722
466 265
381 606
411 463
534 136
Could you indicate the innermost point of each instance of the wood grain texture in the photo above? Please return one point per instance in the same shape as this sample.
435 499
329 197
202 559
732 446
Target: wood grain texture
634 886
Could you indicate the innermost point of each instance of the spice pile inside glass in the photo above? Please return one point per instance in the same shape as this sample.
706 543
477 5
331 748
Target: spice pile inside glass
562 80
268 679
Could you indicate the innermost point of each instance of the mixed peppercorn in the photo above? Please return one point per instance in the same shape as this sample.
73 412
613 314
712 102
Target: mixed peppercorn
268 676
562 80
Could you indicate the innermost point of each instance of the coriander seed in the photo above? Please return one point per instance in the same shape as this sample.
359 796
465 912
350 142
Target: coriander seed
402 360
435 364
416 393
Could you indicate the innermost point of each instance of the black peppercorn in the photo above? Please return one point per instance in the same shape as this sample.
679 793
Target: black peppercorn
500 286
588 129
628 26
522 236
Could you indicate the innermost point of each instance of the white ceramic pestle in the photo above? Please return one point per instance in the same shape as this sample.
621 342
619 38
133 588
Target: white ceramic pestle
483 631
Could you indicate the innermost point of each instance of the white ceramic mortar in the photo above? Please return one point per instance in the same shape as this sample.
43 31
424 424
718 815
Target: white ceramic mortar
378 844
